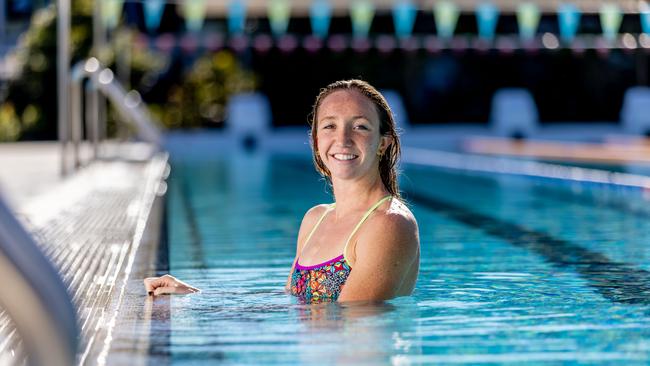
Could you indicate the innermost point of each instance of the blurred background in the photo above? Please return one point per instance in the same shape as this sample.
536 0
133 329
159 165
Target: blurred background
446 59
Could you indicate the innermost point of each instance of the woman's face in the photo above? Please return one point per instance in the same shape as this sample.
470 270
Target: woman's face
347 135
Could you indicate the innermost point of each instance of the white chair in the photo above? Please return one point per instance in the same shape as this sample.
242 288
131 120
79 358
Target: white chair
396 104
514 113
248 118
635 113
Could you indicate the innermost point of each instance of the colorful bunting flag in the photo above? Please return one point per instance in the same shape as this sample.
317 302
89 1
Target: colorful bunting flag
404 13
279 12
645 21
610 20
320 14
446 15
111 12
153 11
644 14
569 21
528 16
361 14
236 16
194 12
487 15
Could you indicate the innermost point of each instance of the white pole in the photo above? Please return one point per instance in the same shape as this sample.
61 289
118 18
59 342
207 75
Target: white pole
98 101
63 77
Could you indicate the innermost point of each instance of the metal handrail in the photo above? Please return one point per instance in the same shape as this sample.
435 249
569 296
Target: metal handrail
35 296
127 103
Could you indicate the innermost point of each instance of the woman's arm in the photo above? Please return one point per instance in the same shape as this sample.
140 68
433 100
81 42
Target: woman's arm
307 224
385 254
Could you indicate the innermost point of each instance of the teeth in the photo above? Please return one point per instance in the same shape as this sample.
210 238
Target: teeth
344 156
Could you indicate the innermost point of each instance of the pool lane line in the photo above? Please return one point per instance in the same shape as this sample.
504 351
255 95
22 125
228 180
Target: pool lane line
562 194
478 163
617 282
195 243
589 201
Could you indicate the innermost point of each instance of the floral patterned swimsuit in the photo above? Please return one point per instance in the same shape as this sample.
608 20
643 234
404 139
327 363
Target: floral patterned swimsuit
323 282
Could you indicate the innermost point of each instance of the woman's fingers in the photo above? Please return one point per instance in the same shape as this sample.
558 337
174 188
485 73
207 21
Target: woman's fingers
168 290
151 283
167 284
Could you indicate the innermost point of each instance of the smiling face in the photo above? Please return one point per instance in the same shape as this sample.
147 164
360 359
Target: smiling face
347 135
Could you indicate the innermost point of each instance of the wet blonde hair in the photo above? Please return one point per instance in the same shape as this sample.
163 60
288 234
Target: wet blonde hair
389 158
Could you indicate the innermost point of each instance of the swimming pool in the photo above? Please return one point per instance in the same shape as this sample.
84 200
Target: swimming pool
513 270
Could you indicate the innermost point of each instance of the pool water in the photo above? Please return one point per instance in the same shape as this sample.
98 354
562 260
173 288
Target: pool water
513 270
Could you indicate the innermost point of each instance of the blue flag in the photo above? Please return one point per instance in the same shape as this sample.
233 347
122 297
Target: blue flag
153 11
320 14
569 21
404 13
487 16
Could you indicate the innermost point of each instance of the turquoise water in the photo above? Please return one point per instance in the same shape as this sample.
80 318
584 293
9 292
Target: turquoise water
513 270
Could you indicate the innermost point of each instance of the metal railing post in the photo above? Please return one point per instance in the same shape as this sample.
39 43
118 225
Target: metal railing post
98 100
63 77
92 118
75 120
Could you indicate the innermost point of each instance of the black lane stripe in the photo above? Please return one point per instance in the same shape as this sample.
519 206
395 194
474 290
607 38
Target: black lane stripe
160 329
617 282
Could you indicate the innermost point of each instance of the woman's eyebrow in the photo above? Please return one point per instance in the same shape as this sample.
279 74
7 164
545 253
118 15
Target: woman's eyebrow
354 118
326 118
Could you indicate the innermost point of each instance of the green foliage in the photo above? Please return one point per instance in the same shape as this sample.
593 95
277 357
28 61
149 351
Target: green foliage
193 98
200 99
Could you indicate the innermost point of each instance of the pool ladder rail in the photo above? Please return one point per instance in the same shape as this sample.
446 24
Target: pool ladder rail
129 105
35 296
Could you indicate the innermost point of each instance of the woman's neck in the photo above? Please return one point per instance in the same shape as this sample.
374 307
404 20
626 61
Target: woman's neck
352 196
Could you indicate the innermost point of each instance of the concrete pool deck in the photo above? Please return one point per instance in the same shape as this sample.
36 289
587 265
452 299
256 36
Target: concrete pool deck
100 227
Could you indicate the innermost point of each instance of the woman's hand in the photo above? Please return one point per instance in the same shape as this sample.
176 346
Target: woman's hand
167 284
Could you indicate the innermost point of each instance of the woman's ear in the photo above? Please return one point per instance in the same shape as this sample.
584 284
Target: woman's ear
384 144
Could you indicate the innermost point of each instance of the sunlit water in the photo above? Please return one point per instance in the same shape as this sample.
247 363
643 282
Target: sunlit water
513 270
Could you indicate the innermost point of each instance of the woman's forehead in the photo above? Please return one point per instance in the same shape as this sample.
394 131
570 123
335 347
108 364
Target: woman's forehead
342 100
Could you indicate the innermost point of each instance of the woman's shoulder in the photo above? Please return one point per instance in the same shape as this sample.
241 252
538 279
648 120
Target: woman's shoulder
396 222
391 232
313 214
397 214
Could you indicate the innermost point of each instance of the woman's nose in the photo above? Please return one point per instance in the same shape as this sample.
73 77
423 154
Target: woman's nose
343 136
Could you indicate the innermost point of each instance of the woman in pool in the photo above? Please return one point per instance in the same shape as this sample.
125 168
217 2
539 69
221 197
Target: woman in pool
365 246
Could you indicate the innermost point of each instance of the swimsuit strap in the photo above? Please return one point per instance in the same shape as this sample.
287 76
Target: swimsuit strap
363 219
328 209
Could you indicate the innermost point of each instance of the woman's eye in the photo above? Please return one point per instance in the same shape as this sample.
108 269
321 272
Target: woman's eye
325 127
361 127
